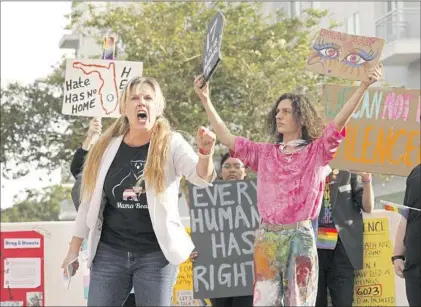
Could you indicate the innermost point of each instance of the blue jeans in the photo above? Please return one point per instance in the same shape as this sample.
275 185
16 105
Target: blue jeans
115 272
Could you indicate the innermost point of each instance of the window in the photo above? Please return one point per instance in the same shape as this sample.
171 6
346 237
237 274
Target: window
353 24
315 5
391 5
295 8
357 23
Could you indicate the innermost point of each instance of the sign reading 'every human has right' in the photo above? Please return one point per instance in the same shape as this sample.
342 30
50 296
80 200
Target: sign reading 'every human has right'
223 219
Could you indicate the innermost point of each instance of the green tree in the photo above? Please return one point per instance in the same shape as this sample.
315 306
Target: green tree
38 206
34 134
262 58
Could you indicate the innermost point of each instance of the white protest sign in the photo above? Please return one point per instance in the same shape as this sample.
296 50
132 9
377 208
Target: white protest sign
92 87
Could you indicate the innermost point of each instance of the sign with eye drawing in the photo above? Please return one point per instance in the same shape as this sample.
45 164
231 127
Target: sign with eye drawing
344 55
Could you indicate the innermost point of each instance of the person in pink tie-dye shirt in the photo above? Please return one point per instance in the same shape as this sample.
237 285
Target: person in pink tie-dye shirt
290 179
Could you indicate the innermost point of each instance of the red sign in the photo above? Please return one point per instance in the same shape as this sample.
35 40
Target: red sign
22 268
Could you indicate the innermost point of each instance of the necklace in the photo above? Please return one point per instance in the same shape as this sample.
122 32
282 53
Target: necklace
293 144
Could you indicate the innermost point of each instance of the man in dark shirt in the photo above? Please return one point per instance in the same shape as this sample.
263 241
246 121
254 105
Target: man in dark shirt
407 251
339 234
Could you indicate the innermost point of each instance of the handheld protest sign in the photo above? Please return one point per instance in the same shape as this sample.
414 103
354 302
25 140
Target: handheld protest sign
343 55
92 87
383 135
223 221
213 43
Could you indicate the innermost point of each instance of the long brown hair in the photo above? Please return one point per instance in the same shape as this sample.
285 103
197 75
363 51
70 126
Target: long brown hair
158 147
304 112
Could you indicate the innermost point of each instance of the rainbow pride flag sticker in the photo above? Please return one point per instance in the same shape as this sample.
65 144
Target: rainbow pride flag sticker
327 238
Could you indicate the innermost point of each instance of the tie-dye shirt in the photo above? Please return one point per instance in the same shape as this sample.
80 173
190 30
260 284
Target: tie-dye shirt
289 192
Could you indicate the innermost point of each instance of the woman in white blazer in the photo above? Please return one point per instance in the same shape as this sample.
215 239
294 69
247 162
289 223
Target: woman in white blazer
129 201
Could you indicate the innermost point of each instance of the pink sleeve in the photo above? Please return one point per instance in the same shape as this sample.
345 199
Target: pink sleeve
328 143
247 151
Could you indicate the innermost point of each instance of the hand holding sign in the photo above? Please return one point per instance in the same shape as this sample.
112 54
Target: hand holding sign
95 127
201 87
213 42
374 75
193 256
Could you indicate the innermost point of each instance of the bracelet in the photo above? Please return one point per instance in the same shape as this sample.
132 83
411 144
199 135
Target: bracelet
203 153
397 257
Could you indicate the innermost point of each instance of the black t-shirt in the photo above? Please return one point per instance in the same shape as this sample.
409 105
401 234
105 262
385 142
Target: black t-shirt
413 227
127 224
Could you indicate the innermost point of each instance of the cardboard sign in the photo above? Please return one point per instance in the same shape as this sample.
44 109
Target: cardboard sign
375 283
383 136
344 55
92 87
22 262
223 219
213 43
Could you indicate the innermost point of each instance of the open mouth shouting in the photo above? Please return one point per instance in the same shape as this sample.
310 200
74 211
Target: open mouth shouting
142 116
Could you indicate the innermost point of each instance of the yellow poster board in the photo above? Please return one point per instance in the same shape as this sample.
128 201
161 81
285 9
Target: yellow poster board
375 283
183 288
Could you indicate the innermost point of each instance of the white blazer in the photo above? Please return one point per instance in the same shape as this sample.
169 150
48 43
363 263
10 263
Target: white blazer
172 237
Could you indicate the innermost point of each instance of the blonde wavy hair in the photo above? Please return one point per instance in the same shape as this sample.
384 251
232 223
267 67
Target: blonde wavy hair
158 147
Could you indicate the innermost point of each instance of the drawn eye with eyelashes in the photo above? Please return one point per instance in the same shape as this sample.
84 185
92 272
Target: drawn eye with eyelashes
358 57
328 51
343 55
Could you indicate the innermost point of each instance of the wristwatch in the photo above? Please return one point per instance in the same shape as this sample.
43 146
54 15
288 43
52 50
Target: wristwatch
398 257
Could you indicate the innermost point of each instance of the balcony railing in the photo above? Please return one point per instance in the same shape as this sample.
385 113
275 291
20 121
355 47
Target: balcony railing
398 24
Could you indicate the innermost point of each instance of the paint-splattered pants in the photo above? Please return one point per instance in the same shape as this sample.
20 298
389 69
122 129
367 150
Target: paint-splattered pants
286 266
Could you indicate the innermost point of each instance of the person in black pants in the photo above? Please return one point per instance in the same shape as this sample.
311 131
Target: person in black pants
76 167
341 252
406 257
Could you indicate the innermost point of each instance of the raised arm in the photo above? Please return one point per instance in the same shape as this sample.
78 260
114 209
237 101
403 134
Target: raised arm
198 169
342 118
76 165
205 140
218 125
